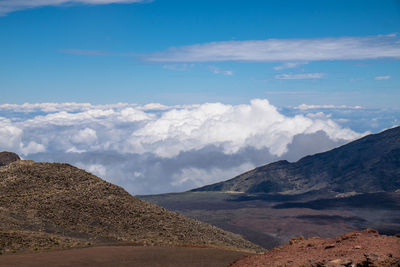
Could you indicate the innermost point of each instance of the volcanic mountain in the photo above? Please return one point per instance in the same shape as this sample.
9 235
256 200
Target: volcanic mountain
53 205
370 164
352 187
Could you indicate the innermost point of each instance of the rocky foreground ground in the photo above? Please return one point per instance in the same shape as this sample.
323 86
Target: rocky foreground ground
359 248
124 256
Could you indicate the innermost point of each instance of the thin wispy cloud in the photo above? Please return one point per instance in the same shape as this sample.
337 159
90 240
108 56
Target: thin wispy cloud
307 107
379 78
301 76
178 67
289 65
7 6
278 50
85 52
216 70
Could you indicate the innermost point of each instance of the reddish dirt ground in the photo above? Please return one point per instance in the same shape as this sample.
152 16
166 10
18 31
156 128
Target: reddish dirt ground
360 248
125 256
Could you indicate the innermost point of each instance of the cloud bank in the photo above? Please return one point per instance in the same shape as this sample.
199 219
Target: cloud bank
278 50
7 6
155 148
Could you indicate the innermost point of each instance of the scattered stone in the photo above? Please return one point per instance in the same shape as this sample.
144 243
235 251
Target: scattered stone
296 240
372 250
344 262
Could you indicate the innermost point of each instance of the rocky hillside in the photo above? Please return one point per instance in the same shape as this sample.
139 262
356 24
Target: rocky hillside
360 248
370 164
52 205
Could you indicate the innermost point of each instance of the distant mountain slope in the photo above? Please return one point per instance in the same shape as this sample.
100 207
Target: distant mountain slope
45 205
369 164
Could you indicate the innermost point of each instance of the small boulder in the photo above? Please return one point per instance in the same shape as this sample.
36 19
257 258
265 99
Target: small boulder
8 157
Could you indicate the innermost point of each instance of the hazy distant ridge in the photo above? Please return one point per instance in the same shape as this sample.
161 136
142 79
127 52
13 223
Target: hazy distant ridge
369 164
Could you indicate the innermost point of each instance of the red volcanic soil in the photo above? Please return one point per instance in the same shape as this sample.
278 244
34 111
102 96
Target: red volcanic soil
360 248
125 256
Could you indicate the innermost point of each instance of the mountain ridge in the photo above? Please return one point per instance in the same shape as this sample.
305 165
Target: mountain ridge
366 165
352 187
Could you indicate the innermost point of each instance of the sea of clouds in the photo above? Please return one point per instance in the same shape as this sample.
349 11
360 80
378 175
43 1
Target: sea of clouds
153 148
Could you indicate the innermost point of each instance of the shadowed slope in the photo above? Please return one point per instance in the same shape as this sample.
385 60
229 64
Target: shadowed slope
370 164
7 158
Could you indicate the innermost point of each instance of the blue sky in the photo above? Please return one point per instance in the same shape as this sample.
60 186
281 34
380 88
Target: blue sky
82 51
165 96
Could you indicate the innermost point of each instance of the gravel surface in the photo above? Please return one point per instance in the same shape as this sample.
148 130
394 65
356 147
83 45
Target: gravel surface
360 248
125 256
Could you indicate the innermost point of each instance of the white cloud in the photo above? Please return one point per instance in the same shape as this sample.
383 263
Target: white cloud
196 177
231 128
81 107
157 149
278 50
73 149
11 139
132 114
178 67
165 133
7 6
379 78
96 169
87 136
58 107
155 106
306 107
32 148
301 76
216 70
289 65
10 135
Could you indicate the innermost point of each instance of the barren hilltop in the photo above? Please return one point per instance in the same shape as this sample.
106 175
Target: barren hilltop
53 205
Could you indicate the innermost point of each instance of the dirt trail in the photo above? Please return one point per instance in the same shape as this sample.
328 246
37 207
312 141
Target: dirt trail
125 256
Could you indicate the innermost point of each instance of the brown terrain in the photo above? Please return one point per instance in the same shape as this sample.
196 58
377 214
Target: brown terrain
352 187
359 248
47 206
125 256
54 214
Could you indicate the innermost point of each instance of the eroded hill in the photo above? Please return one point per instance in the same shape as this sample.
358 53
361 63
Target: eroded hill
52 205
